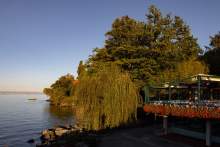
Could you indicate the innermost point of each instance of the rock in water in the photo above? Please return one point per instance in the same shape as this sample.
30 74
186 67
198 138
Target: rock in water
48 135
60 131
31 141
67 127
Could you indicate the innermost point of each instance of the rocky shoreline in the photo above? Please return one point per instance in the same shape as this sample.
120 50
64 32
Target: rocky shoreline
49 135
73 135
69 135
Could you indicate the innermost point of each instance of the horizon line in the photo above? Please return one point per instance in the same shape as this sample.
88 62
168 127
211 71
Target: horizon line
14 91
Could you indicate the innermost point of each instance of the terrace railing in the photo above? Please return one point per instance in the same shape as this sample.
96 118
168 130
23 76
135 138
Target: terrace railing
194 88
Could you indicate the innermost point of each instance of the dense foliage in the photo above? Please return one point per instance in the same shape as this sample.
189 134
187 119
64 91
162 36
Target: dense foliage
147 49
183 70
62 91
106 99
81 70
135 53
212 56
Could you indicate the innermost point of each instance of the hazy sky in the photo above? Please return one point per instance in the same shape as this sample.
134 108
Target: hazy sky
41 40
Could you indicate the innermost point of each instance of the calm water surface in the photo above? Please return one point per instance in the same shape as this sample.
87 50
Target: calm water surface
22 119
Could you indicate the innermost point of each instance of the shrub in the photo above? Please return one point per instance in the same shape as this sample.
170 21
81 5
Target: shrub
62 91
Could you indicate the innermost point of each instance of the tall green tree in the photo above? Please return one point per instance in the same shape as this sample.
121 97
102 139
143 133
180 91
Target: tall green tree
146 49
212 56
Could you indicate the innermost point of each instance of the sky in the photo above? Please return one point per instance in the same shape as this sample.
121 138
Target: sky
41 40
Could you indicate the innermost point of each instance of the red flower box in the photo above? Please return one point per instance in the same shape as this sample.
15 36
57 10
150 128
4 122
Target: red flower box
190 111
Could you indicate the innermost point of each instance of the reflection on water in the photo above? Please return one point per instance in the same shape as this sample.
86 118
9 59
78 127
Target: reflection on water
22 119
62 113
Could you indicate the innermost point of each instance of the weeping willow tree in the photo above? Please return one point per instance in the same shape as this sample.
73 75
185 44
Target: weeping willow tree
106 99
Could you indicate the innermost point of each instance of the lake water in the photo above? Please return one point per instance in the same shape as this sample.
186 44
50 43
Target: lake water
22 119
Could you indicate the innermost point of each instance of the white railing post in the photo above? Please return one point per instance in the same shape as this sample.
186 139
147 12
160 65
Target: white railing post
165 124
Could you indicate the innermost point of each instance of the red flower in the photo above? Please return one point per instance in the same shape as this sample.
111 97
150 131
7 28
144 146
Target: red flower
183 111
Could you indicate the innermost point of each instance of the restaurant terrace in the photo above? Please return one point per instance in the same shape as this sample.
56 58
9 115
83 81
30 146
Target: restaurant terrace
195 98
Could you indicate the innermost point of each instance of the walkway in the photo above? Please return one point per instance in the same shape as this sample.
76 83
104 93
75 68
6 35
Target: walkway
138 137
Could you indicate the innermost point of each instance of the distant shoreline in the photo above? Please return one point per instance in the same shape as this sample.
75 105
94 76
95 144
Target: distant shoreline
20 92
